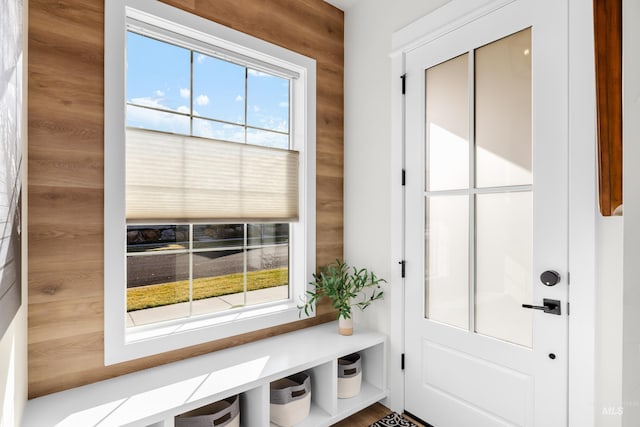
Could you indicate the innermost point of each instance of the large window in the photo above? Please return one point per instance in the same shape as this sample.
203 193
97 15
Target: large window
189 269
209 180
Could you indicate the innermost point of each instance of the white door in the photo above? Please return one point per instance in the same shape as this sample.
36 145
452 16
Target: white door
486 216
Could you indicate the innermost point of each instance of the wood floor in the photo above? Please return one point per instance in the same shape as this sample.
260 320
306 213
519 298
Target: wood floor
367 417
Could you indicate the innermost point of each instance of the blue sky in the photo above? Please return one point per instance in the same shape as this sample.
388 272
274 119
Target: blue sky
158 75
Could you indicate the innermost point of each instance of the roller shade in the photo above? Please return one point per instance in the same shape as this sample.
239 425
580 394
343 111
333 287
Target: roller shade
175 178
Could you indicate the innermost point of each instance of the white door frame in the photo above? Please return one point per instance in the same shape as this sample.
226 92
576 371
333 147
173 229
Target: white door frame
582 203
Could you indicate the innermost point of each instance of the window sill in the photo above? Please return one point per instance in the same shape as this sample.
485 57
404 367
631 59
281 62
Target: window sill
148 340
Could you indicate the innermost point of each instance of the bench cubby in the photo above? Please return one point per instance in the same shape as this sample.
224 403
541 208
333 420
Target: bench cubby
154 396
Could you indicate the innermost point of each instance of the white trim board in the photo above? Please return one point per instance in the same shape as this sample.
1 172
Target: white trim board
441 21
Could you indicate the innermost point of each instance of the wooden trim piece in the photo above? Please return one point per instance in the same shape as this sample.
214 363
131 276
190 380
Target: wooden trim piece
607 19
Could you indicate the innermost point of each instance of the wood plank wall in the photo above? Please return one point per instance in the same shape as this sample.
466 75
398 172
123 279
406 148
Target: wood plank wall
65 180
607 23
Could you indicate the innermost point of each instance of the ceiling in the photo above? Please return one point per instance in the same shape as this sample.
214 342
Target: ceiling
341 4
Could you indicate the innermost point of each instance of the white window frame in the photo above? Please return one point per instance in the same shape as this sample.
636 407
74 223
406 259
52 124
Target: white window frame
122 343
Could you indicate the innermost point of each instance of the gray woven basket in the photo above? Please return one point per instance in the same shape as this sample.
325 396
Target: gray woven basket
218 414
349 366
288 389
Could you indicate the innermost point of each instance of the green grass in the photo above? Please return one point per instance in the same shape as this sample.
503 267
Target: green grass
174 292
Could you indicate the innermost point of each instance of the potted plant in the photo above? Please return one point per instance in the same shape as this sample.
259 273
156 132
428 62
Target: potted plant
346 287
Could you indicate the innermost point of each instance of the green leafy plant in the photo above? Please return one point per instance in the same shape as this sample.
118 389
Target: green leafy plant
346 287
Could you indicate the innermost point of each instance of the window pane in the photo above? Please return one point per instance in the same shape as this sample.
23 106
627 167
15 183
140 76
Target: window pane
156 269
218 130
218 89
447 260
157 288
218 235
267 274
267 101
145 118
447 126
157 238
503 111
503 266
158 74
267 234
218 280
267 139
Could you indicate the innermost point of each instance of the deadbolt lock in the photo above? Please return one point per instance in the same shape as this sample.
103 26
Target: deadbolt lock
550 278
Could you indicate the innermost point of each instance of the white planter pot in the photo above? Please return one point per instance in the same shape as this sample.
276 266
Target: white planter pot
345 326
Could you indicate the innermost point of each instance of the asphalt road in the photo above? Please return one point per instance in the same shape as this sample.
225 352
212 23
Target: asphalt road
156 269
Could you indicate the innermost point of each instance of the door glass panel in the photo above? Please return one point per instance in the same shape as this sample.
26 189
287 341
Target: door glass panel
504 228
447 260
447 124
503 111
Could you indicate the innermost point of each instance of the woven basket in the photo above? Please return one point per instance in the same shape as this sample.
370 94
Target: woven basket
349 376
224 413
290 399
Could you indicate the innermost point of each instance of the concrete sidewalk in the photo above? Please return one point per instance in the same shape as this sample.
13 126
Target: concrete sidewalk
205 306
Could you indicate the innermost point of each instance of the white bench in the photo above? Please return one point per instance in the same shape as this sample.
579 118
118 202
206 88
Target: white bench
154 396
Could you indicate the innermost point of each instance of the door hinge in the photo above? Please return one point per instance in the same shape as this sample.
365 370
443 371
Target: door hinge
402 264
404 177
404 83
402 361
568 308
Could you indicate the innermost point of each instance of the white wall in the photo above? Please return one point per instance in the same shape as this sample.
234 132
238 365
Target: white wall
631 188
367 236
13 370
609 324
369 25
368 179
13 344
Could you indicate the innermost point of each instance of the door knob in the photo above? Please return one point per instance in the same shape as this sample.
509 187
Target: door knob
550 306
550 278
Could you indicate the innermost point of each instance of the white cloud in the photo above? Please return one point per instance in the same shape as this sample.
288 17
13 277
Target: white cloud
169 122
200 58
156 103
185 92
255 73
225 132
202 100
256 109
149 102
268 139
239 98
283 104
279 124
153 119
159 93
